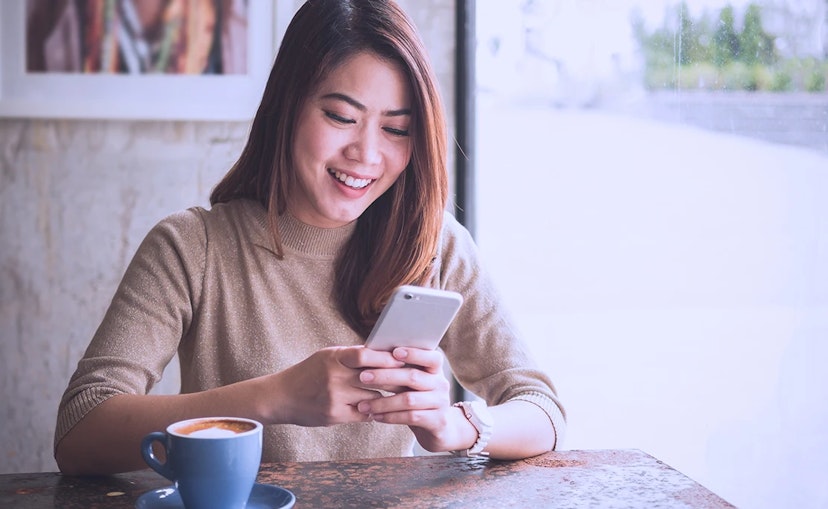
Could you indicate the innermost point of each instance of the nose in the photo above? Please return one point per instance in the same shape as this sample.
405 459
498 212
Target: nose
365 148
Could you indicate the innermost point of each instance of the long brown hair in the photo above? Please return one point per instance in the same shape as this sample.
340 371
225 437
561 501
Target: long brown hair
396 238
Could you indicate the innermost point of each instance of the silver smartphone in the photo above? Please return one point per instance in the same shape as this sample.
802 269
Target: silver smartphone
415 317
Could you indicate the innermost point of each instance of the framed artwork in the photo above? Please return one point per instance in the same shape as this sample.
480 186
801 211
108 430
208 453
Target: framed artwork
136 59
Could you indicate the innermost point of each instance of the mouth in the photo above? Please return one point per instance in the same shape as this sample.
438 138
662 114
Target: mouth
349 181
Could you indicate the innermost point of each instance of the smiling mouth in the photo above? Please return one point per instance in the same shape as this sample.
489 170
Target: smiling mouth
353 183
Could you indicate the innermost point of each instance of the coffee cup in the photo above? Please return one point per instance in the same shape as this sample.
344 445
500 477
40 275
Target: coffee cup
213 461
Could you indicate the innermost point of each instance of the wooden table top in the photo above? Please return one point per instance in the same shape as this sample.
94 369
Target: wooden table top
564 479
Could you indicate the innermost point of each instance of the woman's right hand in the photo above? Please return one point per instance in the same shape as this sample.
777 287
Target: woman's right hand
324 389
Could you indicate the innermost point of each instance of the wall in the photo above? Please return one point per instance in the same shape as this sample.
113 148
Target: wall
76 199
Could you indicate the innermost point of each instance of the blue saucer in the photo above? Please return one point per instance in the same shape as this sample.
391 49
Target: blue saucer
263 496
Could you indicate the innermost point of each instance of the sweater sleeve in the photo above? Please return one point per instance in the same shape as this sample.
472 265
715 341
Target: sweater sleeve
140 332
486 355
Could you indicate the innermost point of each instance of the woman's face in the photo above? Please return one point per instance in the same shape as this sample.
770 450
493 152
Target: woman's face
351 141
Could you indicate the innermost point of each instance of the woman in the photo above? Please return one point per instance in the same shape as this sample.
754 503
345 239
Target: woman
337 198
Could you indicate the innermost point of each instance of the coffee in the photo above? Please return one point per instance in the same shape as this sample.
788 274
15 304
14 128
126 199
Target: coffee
215 428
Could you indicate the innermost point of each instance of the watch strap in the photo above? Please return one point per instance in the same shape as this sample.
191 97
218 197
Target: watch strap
479 416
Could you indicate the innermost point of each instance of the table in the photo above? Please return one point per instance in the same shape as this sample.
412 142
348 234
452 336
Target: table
565 479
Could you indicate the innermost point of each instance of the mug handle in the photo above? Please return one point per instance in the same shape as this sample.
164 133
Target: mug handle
149 457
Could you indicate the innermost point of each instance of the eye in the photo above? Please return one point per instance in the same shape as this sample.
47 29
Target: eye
396 132
339 119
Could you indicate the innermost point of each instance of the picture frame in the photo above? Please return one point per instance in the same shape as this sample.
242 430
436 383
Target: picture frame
228 97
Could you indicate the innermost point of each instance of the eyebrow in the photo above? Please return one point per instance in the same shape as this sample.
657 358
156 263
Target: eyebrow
361 107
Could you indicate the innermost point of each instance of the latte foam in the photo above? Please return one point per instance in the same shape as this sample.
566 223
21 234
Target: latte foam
215 428
212 433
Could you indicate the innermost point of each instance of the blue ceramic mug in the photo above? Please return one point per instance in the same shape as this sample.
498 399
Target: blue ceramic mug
213 461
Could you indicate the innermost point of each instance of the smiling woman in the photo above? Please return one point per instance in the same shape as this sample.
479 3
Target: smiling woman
338 198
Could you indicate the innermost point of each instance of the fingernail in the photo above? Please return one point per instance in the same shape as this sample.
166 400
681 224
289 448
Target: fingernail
366 376
401 353
364 408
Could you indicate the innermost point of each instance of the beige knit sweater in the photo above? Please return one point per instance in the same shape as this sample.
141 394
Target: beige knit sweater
207 284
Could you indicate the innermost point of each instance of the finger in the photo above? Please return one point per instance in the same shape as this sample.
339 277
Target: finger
400 403
368 380
404 402
356 357
426 419
403 379
430 360
349 413
396 380
347 410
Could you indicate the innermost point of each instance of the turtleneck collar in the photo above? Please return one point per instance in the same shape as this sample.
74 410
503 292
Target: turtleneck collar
312 240
298 236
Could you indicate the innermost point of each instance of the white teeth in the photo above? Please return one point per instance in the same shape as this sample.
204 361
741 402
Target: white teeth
350 181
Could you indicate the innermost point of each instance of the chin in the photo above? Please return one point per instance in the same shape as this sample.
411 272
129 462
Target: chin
345 216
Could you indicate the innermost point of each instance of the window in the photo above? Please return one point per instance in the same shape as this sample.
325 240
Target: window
650 183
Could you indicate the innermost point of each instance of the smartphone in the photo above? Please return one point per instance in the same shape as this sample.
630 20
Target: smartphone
416 317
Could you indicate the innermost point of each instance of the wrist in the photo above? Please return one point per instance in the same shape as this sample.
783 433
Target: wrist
466 434
264 398
477 414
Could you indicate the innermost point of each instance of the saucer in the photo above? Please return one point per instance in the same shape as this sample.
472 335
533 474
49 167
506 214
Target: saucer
263 496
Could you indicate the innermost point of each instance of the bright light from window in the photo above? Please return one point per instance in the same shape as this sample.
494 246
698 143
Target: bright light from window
653 210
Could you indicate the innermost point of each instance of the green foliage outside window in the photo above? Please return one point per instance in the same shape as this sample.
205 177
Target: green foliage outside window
717 53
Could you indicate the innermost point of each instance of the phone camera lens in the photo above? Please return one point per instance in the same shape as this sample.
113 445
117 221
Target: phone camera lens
408 296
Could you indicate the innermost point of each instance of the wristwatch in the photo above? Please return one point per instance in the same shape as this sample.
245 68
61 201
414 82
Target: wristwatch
478 414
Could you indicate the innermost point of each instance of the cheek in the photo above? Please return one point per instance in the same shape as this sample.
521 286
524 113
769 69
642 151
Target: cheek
300 144
313 142
305 136
402 157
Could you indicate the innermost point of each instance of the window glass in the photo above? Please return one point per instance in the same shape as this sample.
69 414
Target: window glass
651 183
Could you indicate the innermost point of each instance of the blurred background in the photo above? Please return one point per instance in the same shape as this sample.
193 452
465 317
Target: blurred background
651 181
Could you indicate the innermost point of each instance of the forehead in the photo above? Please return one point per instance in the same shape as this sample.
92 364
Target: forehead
370 79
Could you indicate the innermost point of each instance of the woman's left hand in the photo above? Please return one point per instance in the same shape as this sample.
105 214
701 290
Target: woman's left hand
420 399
